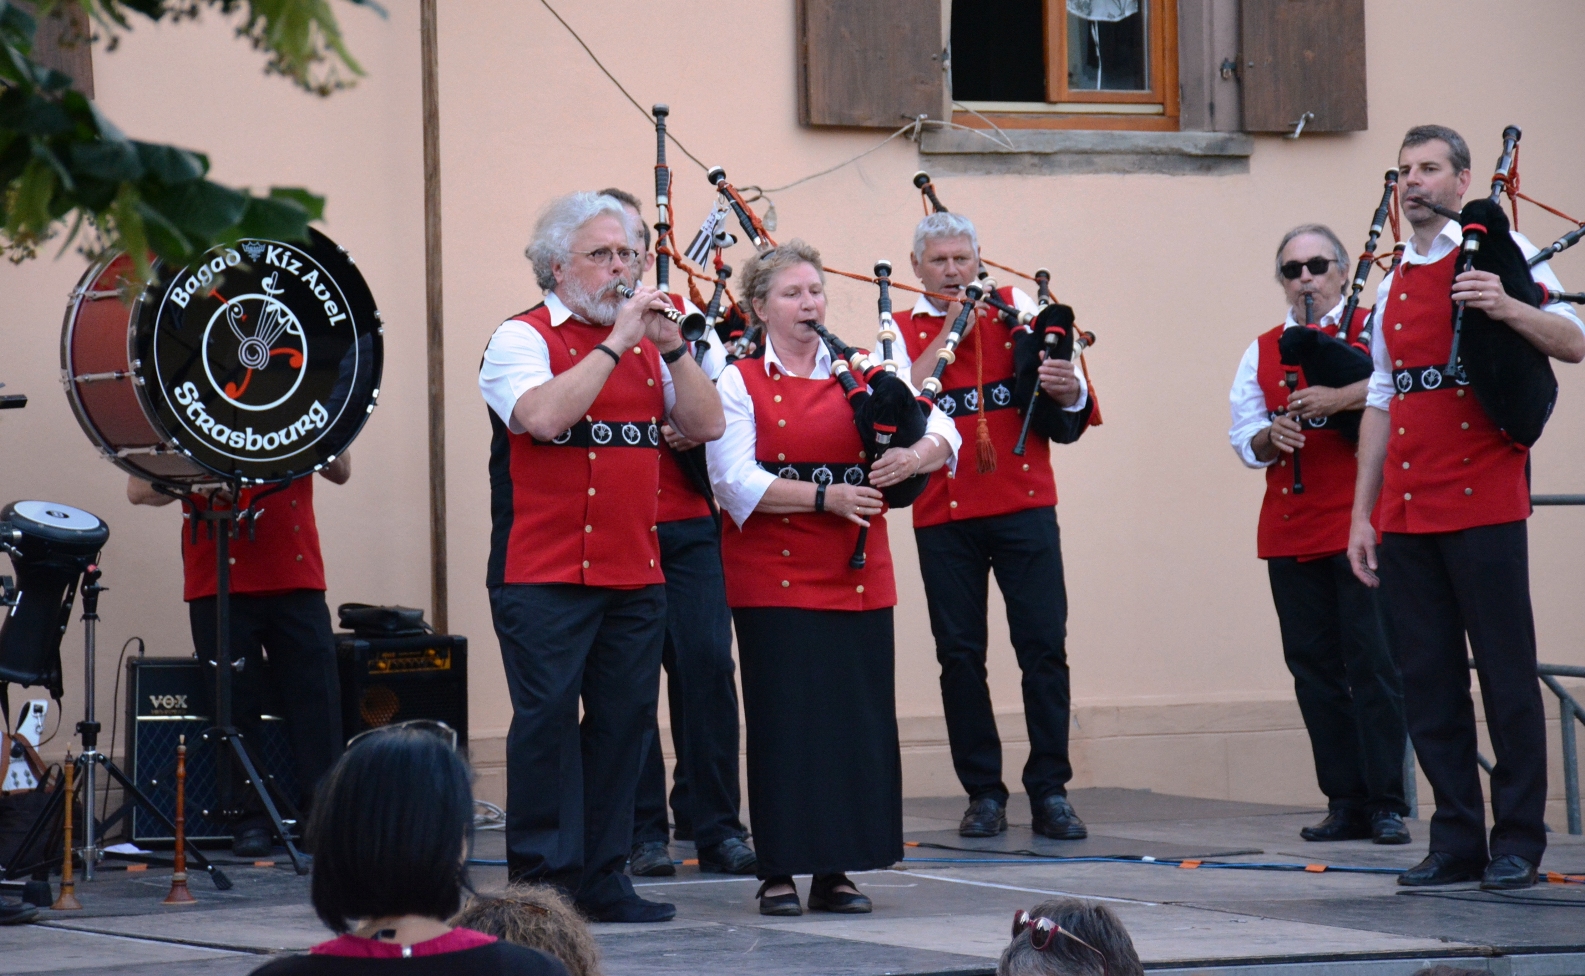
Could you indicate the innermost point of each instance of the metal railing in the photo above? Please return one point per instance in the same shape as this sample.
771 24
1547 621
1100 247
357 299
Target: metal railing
1569 711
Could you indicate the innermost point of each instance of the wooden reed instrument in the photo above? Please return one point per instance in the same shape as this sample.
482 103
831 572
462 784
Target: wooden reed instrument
68 902
179 894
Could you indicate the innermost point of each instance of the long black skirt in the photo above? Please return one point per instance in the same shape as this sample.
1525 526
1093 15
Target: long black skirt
825 781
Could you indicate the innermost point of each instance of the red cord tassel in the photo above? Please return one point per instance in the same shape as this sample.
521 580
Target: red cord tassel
984 450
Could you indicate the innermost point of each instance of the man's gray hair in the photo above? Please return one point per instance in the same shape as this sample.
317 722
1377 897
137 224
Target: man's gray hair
1319 230
940 226
1457 148
759 270
1092 922
559 221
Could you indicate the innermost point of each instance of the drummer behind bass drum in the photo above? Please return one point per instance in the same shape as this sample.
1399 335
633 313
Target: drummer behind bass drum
278 609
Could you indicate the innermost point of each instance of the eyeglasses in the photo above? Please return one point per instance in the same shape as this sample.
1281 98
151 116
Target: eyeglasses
1316 266
603 255
434 727
1043 933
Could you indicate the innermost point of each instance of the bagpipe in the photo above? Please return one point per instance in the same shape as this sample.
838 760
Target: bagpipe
1048 333
1336 361
1512 379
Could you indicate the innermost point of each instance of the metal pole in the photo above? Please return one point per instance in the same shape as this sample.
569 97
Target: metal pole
434 309
89 727
1570 764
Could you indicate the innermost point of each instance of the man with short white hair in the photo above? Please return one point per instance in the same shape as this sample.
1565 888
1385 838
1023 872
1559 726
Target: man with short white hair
578 388
999 515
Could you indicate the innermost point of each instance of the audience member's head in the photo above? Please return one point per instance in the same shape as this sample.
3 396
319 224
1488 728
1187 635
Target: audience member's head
390 830
1069 937
540 917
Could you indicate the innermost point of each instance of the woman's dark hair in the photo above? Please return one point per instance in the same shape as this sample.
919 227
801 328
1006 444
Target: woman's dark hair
1090 921
388 830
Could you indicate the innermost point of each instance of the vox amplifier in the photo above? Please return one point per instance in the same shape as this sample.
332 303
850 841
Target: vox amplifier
393 679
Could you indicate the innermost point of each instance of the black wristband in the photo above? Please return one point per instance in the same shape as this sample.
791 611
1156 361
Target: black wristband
820 497
671 357
615 358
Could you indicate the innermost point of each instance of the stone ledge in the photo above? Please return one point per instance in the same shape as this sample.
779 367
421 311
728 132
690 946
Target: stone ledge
1044 151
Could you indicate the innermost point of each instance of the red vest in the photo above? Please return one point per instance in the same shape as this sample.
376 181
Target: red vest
1315 523
282 556
583 510
1448 465
1018 483
801 559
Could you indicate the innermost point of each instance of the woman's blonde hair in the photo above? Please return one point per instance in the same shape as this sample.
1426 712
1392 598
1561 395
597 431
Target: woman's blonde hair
761 268
540 917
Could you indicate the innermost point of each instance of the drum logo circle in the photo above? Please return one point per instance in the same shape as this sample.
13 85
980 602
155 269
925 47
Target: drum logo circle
260 353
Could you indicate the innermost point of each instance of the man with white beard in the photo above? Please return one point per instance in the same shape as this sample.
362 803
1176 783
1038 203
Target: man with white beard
578 387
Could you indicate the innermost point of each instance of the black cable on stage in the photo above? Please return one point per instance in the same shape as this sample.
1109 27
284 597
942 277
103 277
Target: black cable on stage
1484 897
115 714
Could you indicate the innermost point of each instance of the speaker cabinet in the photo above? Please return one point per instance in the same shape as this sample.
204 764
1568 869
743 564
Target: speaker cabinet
394 679
170 697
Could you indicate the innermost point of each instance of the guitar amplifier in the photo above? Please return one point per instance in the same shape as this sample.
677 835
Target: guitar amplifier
393 679
170 697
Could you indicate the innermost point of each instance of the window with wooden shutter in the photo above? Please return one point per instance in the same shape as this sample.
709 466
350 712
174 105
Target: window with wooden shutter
869 63
62 43
1303 60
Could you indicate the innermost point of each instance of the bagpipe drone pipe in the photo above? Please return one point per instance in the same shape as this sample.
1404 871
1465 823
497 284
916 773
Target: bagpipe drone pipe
1512 379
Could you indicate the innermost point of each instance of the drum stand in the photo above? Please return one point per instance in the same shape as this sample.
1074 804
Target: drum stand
224 734
86 767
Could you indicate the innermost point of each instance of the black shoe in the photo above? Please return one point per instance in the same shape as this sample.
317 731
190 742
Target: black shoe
1508 871
779 904
17 914
824 898
985 817
252 842
1442 868
633 909
1340 825
1054 817
731 856
1387 827
651 859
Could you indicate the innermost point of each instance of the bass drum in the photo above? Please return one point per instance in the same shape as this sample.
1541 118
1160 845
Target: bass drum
258 364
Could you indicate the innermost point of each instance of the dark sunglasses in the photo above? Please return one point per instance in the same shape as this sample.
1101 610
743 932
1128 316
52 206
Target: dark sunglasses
1043 932
434 727
1317 267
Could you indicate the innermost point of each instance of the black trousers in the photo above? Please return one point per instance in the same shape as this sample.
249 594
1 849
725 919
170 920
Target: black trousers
1439 588
1024 550
293 629
701 684
1334 641
569 784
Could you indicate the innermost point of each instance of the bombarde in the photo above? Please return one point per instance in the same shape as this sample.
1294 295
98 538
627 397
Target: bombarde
692 324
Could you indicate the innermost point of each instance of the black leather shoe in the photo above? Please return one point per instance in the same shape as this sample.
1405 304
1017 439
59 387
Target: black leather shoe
1442 868
1387 827
17 914
650 859
1339 825
1508 871
824 898
633 909
787 904
252 842
985 817
731 856
1054 817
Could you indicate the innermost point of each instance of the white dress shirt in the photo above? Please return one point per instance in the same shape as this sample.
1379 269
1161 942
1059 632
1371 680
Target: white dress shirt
1379 394
517 360
735 475
1248 400
924 308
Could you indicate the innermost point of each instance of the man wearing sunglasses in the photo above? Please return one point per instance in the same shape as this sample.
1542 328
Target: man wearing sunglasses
578 387
1333 634
1454 495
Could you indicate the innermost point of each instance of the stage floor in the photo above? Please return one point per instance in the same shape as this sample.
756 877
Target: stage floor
941 911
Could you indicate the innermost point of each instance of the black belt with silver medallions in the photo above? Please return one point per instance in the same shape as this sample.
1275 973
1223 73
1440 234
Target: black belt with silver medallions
817 473
607 433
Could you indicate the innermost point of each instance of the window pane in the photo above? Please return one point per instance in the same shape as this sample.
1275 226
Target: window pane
1108 45
998 52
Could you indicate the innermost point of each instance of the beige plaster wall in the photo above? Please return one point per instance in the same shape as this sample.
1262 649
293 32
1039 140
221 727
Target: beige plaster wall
1178 676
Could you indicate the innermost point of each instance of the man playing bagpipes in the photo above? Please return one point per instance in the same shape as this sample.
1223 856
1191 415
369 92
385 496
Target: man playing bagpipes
1288 417
1444 443
996 514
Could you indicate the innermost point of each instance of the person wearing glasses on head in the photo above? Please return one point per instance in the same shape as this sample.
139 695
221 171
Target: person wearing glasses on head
578 388
1334 637
1069 937
814 633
